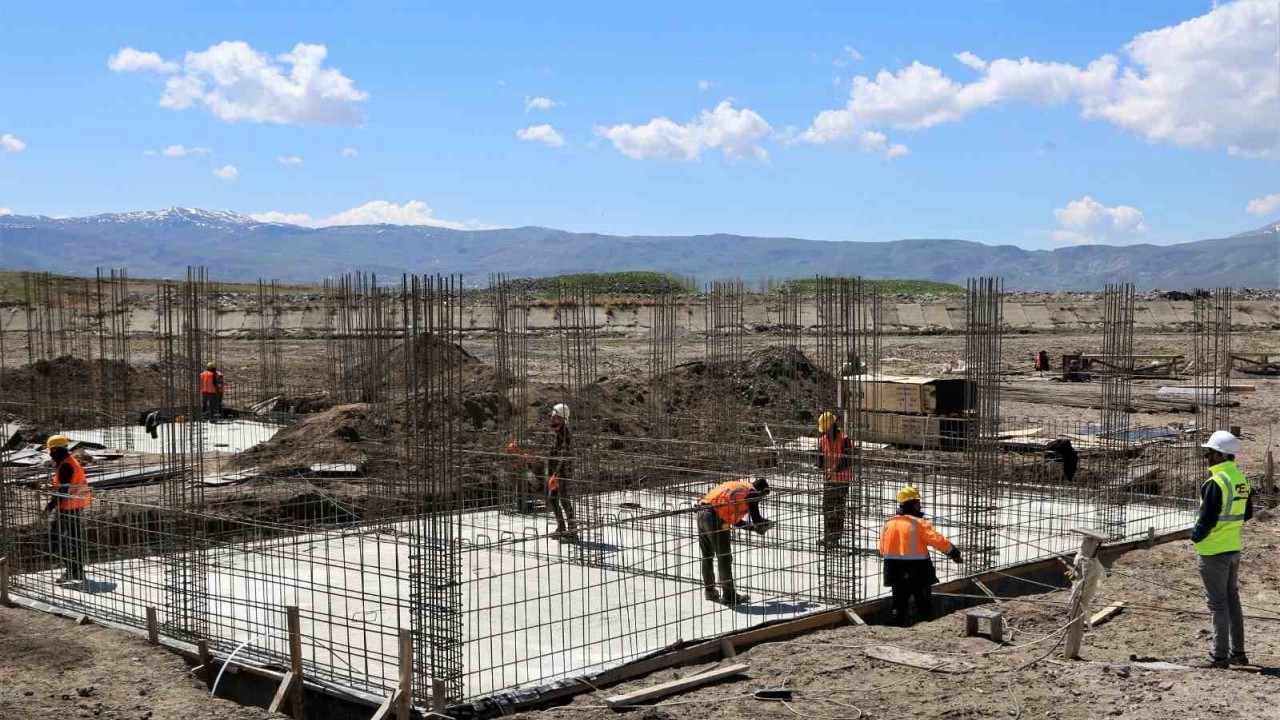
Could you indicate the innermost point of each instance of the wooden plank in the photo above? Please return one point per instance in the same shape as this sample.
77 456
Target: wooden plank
4 581
919 660
675 686
727 649
405 690
854 617
1107 613
297 702
286 683
153 627
384 710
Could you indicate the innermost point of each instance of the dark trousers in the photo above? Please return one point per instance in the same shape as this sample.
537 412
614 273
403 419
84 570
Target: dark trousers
558 499
211 404
66 541
904 592
717 553
835 499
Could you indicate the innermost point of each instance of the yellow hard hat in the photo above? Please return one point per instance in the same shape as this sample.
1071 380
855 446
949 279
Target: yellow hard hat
56 441
907 494
211 366
825 421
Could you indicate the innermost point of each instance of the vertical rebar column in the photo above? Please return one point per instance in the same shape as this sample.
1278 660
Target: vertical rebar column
982 341
1117 360
434 481
1211 355
577 313
662 357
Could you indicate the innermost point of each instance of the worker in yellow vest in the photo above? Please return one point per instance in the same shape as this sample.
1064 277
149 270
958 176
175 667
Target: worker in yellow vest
69 497
1226 502
835 460
726 507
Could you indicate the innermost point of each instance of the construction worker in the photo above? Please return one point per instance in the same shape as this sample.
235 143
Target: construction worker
70 496
1226 502
835 459
559 472
726 507
212 385
904 548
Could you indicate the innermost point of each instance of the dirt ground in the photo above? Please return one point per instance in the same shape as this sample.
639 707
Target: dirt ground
52 668
1165 619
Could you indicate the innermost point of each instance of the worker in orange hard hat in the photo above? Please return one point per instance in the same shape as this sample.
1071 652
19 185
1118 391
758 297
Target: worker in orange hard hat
212 386
904 548
726 507
835 460
70 497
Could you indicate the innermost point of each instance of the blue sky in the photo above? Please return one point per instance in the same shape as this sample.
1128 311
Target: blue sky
1126 122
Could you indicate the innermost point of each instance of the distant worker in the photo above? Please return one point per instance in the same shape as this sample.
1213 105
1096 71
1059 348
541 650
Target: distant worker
726 507
70 496
904 548
1226 502
212 385
559 472
1061 450
835 459
527 470
1042 361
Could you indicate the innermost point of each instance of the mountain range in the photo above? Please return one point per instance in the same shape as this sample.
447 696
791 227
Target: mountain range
236 247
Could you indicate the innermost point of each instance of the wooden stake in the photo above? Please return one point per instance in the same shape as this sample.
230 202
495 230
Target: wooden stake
282 692
405 705
1269 474
1089 544
727 649
297 701
153 627
4 581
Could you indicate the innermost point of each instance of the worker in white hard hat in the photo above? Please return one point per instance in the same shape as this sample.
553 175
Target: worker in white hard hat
1226 502
559 471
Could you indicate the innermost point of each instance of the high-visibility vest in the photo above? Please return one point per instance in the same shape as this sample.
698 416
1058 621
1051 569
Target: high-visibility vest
77 495
831 457
906 537
729 500
211 382
1234 486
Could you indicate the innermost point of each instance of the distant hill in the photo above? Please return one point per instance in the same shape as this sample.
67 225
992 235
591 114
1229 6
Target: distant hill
235 247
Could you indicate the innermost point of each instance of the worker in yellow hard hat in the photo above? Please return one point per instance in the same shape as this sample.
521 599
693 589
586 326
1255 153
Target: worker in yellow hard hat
835 460
69 498
212 385
904 548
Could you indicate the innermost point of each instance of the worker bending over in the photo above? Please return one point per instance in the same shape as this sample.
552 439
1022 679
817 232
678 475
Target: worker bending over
559 471
1226 502
725 507
212 385
904 548
835 460
70 496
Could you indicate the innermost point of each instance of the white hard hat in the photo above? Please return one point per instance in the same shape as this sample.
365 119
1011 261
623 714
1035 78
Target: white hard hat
1224 442
560 409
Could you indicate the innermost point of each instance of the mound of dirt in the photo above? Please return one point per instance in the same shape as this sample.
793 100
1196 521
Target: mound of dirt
342 434
65 388
425 349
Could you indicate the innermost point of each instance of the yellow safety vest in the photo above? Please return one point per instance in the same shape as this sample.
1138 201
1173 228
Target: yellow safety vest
1234 486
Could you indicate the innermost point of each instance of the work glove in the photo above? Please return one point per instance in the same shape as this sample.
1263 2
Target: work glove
955 556
761 528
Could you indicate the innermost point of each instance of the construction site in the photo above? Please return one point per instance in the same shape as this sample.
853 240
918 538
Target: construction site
362 522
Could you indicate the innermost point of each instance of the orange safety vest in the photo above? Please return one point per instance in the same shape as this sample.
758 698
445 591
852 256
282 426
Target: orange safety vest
831 455
77 495
729 499
207 384
906 537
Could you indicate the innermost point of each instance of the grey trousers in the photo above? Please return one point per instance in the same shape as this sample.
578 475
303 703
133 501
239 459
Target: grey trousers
1220 574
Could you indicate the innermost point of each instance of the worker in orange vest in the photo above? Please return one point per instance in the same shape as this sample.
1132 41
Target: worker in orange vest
904 548
726 507
70 496
835 460
212 385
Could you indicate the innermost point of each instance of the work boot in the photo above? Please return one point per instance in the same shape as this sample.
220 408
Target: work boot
1208 663
1237 658
711 594
732 598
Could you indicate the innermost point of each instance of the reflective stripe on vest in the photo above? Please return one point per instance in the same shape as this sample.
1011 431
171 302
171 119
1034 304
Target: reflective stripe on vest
912 544
831 455
1235 490
77 495
729 500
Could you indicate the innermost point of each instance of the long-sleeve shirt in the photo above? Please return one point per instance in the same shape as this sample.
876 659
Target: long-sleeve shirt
61 481
560 461
1211 508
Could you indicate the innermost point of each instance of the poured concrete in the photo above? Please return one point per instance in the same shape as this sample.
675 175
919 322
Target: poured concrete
228 436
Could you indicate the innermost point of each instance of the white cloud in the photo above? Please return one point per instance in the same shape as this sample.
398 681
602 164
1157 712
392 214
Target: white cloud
877 142
130 60
227 172
5 211
376 212
1087 221
850 54
736 133
11 144
1264 205
288 159
350 152
235 82
181 150
539 103
541 133
705 84
1212 81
